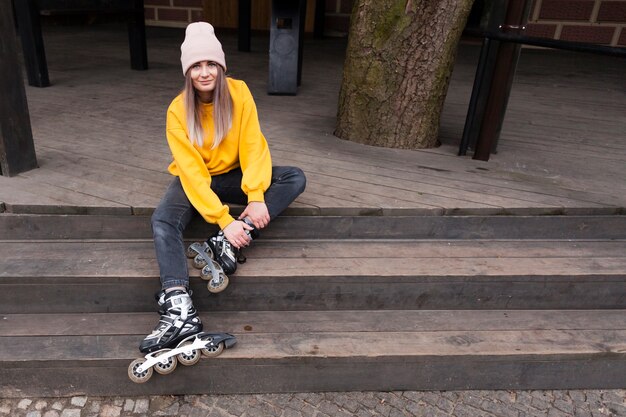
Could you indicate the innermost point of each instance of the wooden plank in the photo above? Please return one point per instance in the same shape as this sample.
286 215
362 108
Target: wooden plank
318 375
291 259
334 345
286 322
314 249
135 294
368 225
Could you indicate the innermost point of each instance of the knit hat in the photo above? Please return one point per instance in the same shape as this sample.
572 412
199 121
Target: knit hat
200 45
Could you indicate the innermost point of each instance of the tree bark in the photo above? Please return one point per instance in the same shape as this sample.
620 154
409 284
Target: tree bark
398 63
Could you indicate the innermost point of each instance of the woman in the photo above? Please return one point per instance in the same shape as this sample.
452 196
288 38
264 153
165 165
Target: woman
220 155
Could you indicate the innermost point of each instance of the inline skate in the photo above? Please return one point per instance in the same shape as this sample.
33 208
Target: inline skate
217 258
178 337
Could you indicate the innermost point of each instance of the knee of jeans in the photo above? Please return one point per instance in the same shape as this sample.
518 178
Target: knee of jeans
298 179
161 226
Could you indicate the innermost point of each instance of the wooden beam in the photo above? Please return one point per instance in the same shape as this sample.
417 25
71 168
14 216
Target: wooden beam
17 150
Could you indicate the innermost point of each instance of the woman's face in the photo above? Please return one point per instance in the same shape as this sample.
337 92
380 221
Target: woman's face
203 76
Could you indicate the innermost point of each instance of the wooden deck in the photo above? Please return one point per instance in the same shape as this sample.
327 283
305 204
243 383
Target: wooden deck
99 134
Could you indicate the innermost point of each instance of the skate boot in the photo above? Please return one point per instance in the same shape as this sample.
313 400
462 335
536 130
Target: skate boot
179 319
217 258
226 255
177 338
211 271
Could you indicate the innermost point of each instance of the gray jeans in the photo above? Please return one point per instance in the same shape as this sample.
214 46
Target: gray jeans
174 213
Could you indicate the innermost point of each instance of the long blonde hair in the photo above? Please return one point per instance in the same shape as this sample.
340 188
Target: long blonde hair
222 110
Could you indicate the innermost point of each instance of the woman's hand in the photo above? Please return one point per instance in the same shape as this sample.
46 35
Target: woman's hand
236 234
258 214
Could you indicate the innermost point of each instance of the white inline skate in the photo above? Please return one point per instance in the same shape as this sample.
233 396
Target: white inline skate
178 337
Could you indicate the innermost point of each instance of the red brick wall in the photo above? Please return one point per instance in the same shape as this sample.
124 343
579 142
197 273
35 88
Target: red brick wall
594 21
598 21
176 13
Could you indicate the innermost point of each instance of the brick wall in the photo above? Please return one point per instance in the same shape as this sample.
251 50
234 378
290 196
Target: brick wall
597 21
594 21
174 13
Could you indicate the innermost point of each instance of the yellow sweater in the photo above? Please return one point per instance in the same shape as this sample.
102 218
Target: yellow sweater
244 146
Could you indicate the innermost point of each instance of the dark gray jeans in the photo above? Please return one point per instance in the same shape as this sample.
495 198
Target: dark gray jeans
174 213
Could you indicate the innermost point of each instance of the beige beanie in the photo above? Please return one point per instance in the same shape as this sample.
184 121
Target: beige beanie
201 45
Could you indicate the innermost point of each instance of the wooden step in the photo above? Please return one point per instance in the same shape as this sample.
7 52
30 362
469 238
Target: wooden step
291 351
65 276
115 226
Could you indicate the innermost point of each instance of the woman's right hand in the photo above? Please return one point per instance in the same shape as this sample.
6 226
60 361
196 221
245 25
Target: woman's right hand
236 234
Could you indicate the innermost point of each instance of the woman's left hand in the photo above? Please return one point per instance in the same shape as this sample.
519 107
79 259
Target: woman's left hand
258 214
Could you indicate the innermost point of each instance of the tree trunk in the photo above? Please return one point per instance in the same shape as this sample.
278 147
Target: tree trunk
397 70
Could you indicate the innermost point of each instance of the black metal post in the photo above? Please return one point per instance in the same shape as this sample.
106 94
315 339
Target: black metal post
500 88
17 150
27 13
493 18
137 37
320 19
245 22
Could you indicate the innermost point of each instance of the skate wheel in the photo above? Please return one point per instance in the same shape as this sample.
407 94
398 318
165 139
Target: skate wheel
166 367
218 285
189 358
190 252
136 377
198 262
212 351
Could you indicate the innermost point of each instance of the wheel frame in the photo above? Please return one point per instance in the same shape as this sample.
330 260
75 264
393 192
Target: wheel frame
139 379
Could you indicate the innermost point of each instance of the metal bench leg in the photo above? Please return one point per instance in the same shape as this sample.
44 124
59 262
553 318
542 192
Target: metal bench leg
27 13
137 38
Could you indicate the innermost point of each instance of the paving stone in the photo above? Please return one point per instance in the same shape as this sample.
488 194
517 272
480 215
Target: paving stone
463 410
498 408
93 407
564 406
72 412
129 405
209 401
555 412
57 406
24 404
172 410
197 412
142 405
51 413
540 404
5 407
577 396
40 405
110 410
582 412
35 413
78 401
161 403
616 397
616 409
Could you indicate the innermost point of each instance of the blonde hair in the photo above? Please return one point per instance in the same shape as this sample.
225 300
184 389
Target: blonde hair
222 110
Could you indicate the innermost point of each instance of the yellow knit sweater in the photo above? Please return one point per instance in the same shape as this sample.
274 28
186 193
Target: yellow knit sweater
244 146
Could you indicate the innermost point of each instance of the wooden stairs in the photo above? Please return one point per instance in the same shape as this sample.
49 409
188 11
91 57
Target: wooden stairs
324 303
